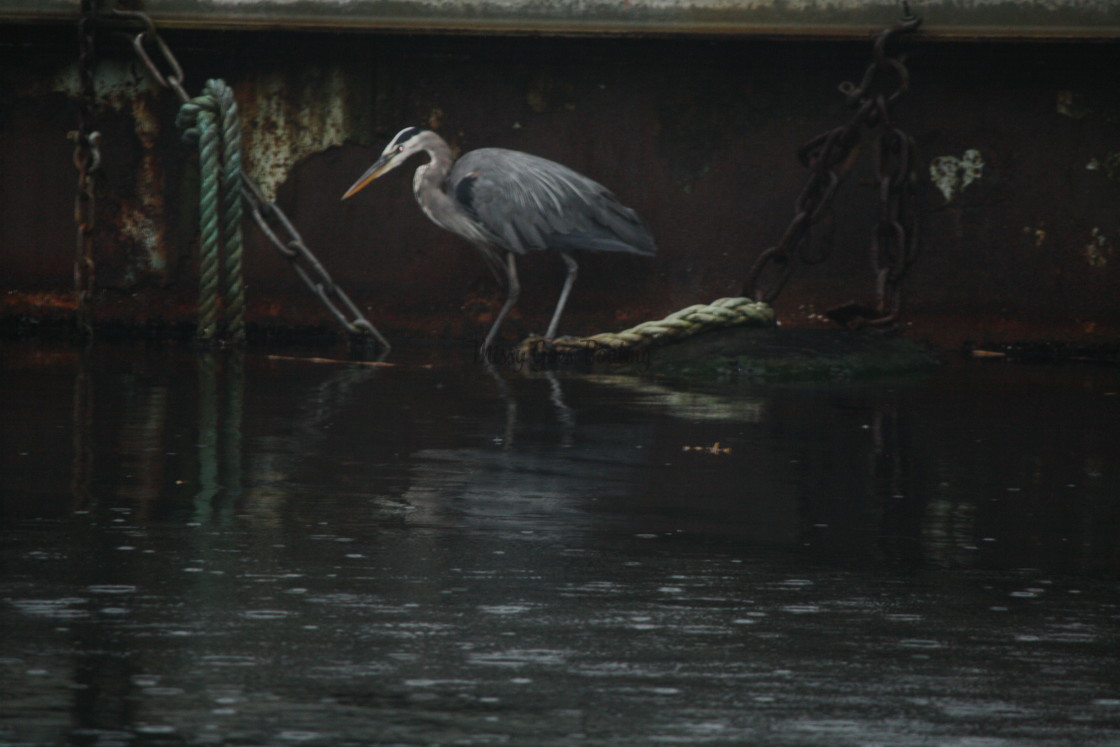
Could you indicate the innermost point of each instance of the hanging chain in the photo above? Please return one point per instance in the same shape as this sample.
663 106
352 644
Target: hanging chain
167 71
173 79
87 160
894 245
830 156
314 276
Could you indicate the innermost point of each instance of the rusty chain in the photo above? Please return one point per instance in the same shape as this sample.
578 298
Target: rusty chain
148 36
296 252
168 73
830 157
87 160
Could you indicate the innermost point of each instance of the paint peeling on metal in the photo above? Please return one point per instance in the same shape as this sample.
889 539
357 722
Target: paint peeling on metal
1072 104
951 174
143 218
286 118
1110 165
117 83
1037 235
1098 252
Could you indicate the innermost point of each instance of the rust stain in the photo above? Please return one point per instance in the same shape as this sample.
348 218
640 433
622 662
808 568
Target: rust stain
142 219
139 220
1098 251
287 117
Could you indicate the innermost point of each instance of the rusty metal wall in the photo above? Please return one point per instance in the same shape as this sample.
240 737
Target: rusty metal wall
1019 148
986 19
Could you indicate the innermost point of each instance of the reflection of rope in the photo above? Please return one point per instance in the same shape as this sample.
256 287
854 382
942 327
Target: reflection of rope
221 396
211 121
722 313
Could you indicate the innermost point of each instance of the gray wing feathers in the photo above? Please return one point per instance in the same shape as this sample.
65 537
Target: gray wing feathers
529 203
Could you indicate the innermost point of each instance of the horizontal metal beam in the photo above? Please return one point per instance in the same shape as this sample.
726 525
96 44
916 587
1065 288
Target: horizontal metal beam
950 19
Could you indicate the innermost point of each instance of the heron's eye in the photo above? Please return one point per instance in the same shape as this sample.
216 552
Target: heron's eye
400 149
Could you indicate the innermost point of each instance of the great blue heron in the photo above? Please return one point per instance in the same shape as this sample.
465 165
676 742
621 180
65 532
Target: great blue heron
514 202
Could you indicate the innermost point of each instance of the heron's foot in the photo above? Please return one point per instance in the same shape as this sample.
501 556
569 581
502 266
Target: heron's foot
497 352
486 348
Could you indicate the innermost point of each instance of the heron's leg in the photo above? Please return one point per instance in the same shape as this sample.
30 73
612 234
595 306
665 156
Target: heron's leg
511 298
573 270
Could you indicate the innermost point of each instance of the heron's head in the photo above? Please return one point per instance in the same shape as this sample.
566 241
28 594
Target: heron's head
406 143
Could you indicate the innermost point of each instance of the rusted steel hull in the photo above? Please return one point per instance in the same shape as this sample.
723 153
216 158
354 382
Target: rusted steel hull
986 19
1018 177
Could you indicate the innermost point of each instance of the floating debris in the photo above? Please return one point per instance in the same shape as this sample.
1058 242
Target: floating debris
713 449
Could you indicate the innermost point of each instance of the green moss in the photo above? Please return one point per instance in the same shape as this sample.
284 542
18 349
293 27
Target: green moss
777 355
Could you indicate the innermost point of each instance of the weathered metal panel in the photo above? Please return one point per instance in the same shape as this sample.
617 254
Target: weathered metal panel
1018 175
800 18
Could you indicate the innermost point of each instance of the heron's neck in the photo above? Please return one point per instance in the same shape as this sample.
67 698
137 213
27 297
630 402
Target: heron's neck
427 185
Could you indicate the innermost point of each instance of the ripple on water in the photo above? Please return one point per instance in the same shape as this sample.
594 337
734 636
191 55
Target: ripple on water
801 609
111 589
520 657
902 617
351 670
265 614
504 609
829 726
920 643
230 660
293 735
62 608
114 610
793 583
162 691
425 683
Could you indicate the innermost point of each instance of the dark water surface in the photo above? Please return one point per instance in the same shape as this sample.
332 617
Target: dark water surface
226 549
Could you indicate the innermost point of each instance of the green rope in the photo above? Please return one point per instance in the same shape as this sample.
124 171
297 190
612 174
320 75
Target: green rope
232 211
211 120
720 314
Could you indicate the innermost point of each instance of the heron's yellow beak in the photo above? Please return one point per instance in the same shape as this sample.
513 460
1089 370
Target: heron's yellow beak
379 167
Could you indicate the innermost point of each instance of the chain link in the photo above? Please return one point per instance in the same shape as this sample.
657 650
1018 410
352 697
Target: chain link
830 157
289 243
149 37
87 160
265 212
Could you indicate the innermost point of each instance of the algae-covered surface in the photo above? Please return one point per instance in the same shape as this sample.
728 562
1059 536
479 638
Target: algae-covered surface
765 354
793 355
